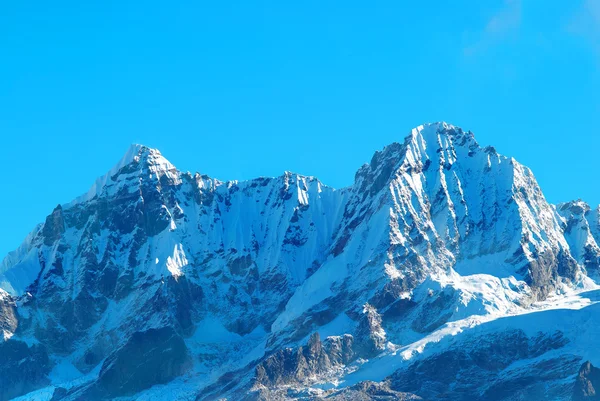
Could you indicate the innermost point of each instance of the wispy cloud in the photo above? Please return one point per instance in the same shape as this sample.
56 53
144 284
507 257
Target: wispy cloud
505 22
586 22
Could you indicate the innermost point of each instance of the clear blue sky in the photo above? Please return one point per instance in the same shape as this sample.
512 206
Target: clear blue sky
248 88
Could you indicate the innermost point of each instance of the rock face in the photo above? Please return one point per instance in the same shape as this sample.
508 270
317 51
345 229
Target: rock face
165 283
163 352
370 391
299 366
581 232
364 391
22 368
8 315
370 334
458 372
588 380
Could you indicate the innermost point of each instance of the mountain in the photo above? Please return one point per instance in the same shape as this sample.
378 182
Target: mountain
441 273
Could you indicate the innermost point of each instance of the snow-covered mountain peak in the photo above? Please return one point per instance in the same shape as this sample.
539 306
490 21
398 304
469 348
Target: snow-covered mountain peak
150 157
132 152
460 201
438 133
577 207
426 146
430 140
139 160
427 142
434 126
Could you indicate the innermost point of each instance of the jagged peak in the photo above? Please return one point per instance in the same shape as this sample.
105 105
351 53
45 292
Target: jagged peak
285 177
577 207
436 132
136 155
439 126
291 175
579 202
133 151
141 153
429 135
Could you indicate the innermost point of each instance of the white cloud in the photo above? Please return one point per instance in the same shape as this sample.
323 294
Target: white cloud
505 22
586 22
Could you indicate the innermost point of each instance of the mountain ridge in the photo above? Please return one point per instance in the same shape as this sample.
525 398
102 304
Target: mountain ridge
237 282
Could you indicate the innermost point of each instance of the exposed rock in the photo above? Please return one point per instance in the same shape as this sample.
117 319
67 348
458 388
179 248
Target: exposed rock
435 311
297 366
152 357
371 338
289 366
370 391
460 372
587 383
54 226
340 349
363 391
8 316
22 368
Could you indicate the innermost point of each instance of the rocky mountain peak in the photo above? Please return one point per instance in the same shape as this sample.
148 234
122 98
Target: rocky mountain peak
576 207
139 162
147 158
443 142
137 153
427 145
433 132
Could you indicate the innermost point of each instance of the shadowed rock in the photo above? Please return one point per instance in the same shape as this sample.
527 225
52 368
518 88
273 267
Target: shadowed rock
291 366
587 384
22 368
371 391
152 357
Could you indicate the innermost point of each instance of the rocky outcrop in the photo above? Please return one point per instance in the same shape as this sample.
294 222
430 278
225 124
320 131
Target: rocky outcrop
22 368
371 391
364 391
54 227
300 365
371 338
8 316
581 232
152 357
587 383
340 349
460 373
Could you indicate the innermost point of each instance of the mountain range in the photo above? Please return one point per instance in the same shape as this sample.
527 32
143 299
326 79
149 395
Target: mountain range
441 273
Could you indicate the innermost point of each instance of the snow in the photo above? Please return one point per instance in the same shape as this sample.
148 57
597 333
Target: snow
134 153
493 264
15 281
572 315
129 157
211 330
64 371
177 261
44 394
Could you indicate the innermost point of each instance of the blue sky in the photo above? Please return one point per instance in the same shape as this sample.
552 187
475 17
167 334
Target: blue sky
242 89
